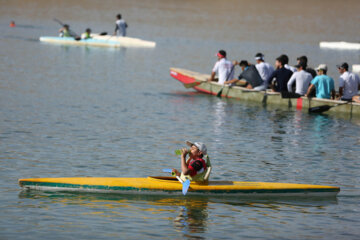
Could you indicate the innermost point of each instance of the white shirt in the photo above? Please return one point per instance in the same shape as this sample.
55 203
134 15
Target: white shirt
291 68
302 80
223 69
265 70
350 82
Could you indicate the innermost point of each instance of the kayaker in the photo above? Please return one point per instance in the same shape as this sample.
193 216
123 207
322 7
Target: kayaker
249 74
223 67
323 84
12 24
349 83
194 168
65 31
87 34
264 69
120 25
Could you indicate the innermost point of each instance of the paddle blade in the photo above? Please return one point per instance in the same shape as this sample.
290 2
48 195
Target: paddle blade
220 92
167 170
103 33
319 109
191 85
186 186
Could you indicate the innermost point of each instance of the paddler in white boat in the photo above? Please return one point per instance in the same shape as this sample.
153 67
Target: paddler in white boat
87 34
223 67
65 31
195 168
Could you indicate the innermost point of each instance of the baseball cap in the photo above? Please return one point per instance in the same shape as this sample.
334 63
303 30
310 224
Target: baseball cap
322 67
221 53
344 65
199 145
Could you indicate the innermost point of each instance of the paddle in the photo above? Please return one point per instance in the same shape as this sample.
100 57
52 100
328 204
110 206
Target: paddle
190 85
185 185
227 78
323 108
77 38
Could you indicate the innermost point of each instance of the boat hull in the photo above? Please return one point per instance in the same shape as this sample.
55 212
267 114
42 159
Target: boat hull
199 82
170 185
100 41
340 45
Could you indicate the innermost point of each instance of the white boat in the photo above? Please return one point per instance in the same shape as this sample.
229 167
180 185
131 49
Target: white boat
340 45
99 41
124 41
356 68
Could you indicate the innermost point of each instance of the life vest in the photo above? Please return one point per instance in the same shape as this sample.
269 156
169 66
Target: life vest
87 35
197 164
66 33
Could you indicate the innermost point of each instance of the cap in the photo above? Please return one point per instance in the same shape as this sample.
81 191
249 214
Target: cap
344 65
221 53
259 56
199 145
322 67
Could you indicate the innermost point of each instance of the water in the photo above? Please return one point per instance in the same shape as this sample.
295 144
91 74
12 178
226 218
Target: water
76 111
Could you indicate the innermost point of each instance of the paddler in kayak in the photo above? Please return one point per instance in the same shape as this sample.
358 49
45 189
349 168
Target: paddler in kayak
87 34
195 168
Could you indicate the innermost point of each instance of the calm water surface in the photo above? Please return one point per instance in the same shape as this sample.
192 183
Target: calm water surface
76 111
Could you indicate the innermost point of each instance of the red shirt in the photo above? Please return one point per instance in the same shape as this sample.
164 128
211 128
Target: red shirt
195 165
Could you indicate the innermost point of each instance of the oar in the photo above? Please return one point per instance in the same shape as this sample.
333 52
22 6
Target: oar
227 78
323 108
185 185
191 85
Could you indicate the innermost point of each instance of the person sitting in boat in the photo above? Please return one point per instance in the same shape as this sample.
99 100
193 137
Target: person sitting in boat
195 168
87 34
349 83
223 67
281 76
323 84
264 69
249 74
120 26
304 61
286 63
65 31
301 79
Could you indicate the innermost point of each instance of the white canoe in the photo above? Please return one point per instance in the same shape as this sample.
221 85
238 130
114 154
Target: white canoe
340 45
81 42
125 41
356 68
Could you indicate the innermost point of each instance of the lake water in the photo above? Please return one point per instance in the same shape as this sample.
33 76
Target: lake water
77 111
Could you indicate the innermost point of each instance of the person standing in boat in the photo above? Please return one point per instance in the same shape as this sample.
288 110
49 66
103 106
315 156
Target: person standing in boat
301 79
264 69
120 26
323 84
349 83
223 67
249 74
195 167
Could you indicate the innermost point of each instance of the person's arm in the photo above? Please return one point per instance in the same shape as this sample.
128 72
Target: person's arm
184 168
311 87
290 82
212 77
341 87
269 80
116 28
333 93
341 91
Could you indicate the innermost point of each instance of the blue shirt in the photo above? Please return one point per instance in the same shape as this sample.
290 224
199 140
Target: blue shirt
324 85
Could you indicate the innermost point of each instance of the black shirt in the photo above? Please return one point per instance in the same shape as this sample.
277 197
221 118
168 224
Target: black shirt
282 76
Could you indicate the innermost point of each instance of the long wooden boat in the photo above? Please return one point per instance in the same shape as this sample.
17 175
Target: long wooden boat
340 45
198 81
170 185
100 41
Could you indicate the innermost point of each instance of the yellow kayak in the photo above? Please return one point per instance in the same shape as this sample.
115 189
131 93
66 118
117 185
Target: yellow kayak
171 185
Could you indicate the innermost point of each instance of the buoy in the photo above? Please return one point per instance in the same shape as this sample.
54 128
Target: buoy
12 24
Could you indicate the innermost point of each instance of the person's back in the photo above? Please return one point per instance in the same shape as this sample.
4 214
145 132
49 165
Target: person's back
350 82
324 85
264 69
252 76
282 76
120 25
302 80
